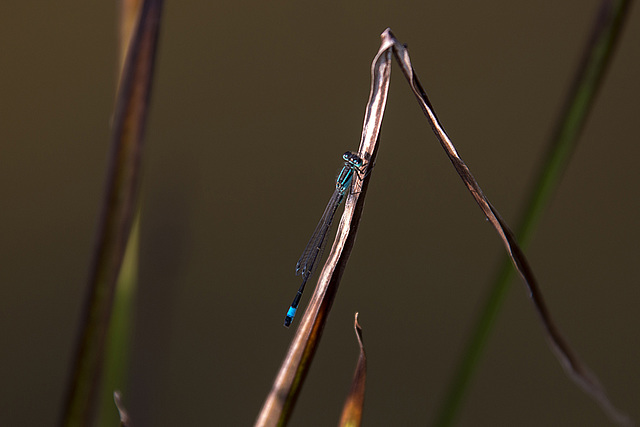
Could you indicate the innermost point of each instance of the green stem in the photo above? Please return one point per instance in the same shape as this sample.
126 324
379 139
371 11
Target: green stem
120 330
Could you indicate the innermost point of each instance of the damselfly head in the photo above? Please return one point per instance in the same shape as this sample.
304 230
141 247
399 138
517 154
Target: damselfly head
352 159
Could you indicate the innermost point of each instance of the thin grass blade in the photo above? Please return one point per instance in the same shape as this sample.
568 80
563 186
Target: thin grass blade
117 351
117 216
121 323
575 369
352 411
589 76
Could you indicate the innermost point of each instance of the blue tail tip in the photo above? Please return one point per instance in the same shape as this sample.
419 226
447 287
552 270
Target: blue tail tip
289 317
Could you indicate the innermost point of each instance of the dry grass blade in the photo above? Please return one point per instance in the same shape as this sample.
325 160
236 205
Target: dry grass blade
118 342
125 420
576 370
596 56
286 387
352 411
120 200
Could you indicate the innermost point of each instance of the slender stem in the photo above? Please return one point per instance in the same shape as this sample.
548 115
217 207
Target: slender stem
280 401
120 325
119 203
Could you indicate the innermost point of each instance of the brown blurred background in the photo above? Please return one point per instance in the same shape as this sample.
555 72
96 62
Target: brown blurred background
253 105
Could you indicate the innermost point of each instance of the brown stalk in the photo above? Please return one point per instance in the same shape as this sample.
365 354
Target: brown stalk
120 200
575 369
279 403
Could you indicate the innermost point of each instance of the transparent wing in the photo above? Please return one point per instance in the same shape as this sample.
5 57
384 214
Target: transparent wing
313 251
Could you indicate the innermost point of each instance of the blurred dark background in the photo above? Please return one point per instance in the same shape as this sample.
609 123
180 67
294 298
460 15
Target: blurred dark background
253 105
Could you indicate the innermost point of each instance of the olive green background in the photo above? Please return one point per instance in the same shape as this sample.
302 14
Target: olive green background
253 104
